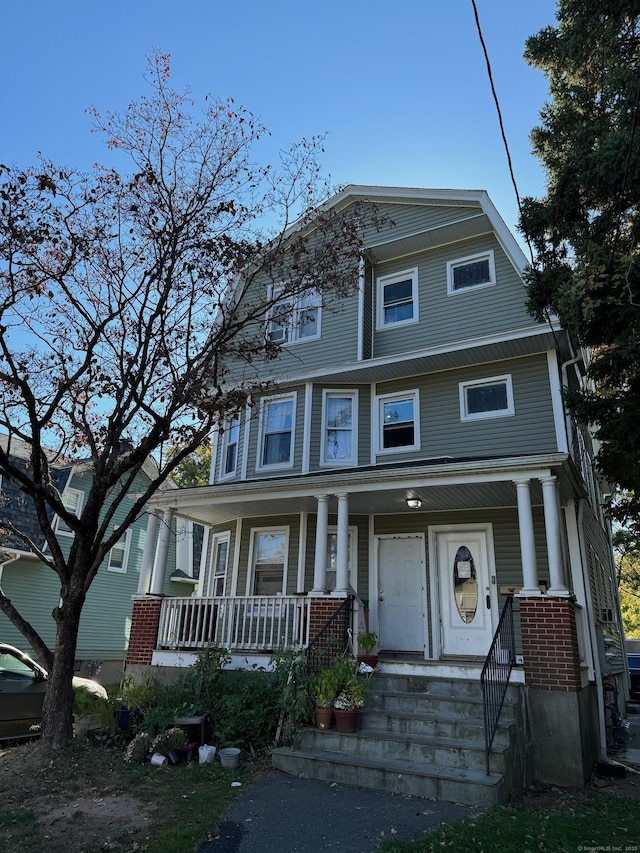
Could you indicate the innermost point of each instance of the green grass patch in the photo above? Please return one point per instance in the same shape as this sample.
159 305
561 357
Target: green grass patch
563 822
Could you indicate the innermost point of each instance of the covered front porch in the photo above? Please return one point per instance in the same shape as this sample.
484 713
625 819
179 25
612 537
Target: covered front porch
431 552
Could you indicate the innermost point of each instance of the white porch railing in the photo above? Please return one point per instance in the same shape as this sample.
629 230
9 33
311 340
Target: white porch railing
238 623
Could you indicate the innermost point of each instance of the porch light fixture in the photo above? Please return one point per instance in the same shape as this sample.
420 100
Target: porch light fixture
414 503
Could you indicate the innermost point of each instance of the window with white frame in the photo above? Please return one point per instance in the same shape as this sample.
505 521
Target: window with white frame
486 398
269 561
277 432
72 500
399 422
119 554
230 442
470 272
332 556
397 298
219 564
340 427
294 319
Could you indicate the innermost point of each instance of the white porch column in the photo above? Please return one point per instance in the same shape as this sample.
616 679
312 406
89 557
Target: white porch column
162 552
531 584
554 537
342 549
148 553
322 528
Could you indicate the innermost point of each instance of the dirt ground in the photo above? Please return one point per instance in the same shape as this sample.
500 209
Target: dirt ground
95 814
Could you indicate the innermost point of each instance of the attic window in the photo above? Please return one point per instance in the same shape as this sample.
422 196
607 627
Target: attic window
72 500
470 273
397 297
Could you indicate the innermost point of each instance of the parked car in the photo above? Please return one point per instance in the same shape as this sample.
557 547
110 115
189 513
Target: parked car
23 684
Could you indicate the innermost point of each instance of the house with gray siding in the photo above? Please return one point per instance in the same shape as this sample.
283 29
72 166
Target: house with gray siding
34 588
416 466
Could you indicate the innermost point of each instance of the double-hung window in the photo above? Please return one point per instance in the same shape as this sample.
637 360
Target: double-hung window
219 562
340 428
294 318
119 554
397 299
399 425
72 500
486 398
230 441
277 432
268 561
470 273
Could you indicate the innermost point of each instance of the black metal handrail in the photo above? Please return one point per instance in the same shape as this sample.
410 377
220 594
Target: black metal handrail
332 639
496 671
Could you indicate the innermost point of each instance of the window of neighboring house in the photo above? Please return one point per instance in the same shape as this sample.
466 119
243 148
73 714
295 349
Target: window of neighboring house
486 398
399 423
398 298
119 554
471 272
219 562
230 441
277 432
340 431
72 500
332 556
294 319
269 561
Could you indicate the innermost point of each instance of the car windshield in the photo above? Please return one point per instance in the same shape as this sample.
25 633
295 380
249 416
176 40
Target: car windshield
13 668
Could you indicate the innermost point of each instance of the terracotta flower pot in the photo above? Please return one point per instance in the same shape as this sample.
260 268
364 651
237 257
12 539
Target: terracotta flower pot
346 721
324 718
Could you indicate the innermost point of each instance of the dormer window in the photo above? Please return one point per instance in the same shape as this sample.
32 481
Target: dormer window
294 319
397 299
72 500
470 273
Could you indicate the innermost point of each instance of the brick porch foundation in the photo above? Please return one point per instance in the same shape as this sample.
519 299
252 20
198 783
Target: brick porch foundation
550 643
145 620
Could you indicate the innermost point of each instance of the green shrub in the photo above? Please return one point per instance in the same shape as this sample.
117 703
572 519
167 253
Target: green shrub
137 750
168 740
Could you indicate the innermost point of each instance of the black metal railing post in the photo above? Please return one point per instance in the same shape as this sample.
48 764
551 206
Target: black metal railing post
496 671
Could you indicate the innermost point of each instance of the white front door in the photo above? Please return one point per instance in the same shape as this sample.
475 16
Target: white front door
466 583
401 593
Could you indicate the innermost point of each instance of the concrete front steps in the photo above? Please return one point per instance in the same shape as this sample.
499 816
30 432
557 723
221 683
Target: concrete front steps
419 736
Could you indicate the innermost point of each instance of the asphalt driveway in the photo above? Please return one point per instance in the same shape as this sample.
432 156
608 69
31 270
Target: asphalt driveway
285 814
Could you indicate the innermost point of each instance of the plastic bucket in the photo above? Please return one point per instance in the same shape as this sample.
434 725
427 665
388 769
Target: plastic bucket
159 760
206 753
230 756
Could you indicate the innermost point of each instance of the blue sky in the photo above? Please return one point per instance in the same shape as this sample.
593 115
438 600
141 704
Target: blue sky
400 89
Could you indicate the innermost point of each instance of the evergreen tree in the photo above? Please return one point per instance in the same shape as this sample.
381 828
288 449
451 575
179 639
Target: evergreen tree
586 230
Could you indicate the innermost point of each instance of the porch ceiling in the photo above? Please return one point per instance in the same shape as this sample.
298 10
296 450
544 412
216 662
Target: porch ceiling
441 487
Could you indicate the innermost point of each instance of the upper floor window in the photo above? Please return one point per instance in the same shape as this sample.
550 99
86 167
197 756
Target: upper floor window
470 272
399 422
268 561
230 441
119 554
486 398
72 500
294 319
340 427
277 432
397 298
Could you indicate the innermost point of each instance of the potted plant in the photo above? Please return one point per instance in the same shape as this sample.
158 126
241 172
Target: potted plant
170 743
367 641
348 702
352 692
324 687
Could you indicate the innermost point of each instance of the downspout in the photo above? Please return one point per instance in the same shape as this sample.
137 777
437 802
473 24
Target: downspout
361 283
595 654
565 384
